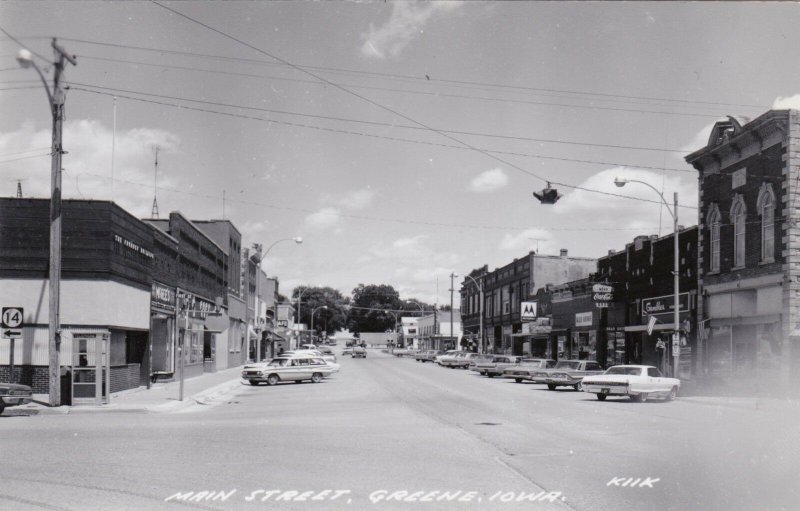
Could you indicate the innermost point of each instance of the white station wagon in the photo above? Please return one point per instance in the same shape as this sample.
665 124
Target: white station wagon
638 382
295 368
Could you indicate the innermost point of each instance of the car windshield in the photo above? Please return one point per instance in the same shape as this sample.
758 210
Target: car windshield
630 371
567 365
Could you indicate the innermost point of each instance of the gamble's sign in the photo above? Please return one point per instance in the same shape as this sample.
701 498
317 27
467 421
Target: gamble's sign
665 304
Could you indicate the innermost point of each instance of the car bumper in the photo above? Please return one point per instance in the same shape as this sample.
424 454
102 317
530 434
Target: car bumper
615 390
16 400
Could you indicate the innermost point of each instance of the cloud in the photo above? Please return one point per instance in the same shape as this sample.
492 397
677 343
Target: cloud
605 211
538 240
354 201
407 22
87 164
782 103
489 181
325 218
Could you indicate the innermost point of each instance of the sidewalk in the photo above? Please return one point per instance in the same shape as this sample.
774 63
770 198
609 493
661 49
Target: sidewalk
160 398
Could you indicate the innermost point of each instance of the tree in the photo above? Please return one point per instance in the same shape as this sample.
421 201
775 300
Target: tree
326 320
366 316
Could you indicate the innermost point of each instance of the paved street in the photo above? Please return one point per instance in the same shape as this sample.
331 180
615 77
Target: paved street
384 425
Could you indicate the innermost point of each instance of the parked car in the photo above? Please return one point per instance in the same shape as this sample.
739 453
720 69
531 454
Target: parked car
456 359
464 361
570 373
13 394
287 368
480 359
526 367
497 364
638 382
427 355
447 355
359 352
347 351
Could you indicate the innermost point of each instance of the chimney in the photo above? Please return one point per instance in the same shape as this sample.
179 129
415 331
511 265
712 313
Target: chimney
563 252
611 252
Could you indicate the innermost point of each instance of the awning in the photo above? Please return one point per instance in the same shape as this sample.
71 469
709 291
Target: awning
746 320
252 333
643 328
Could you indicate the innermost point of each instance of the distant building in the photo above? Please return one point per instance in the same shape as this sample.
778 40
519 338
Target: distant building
505 289
434 331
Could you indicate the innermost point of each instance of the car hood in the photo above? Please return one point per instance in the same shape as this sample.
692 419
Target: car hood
14 386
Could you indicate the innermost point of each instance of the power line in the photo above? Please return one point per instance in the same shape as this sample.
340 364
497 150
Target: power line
370 135
384 124
362 217
424 79
385 108
22 45
424 93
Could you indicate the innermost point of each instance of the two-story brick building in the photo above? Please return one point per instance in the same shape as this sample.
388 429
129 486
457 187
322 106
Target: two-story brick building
749 238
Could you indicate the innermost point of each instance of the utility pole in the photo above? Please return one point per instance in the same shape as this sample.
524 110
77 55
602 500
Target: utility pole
19 189
452 312
56 101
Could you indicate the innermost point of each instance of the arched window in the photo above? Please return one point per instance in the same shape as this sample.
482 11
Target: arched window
739 220
766 208
713 222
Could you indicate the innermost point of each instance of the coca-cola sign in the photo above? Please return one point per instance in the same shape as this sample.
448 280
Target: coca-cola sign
603 297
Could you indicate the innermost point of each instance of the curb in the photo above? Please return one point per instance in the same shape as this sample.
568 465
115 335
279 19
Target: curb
205 397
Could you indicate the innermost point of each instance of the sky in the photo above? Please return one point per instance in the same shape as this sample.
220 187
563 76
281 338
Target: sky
401 140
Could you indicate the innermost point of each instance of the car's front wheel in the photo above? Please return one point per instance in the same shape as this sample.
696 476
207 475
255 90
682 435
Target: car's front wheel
2 406
551 386
518 380
640 398
316 377
578 386
601 397
272 379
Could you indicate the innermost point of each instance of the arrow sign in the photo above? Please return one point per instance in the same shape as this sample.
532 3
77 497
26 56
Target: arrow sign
12 334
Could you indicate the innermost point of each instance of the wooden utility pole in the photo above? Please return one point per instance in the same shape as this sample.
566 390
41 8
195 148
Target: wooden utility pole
57 109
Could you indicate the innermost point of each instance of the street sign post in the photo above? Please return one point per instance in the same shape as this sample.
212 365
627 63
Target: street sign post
11 323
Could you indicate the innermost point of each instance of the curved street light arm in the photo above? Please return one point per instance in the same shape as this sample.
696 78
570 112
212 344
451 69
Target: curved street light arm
669 209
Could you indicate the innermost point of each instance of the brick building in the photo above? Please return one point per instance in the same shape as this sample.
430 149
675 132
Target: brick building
749 263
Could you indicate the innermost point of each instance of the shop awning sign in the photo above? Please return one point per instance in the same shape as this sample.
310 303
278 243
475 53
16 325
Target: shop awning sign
528 311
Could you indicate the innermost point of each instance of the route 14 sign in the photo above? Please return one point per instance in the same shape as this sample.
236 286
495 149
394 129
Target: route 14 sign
12 317
528 311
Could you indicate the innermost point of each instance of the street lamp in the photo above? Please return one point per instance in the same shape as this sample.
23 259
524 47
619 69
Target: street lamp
620 182
314 310
479 285
56 101
260 257
452 276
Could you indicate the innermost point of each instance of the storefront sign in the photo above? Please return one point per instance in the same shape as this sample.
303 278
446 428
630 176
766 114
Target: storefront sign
602 288
198 307
162 298
665 304
583 319
528 311
133 246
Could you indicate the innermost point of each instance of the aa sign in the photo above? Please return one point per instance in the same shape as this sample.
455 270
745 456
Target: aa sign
528 311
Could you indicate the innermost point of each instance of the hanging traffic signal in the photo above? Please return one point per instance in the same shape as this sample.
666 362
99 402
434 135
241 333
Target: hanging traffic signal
548 195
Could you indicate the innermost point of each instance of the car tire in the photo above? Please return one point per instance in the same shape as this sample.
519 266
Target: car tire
601 397
2 407
551 386
578 386
518 380
640 398
272 379
490 375
316 377
254 383
673 393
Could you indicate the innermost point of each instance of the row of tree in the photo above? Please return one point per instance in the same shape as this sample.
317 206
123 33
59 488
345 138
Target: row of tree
371 308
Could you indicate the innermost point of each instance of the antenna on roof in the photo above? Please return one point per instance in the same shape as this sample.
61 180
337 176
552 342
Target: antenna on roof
154 211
